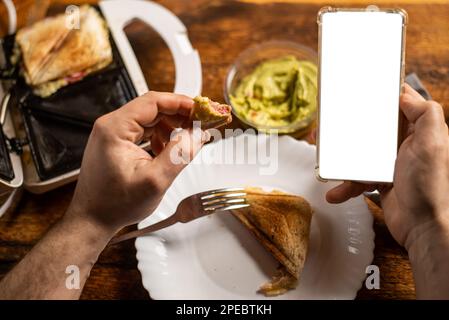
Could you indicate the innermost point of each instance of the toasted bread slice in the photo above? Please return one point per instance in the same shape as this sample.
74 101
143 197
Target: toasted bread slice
279 284
82 51
211 114
38 42
281 223
73 54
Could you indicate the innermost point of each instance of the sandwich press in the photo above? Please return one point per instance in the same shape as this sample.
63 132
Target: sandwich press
43 139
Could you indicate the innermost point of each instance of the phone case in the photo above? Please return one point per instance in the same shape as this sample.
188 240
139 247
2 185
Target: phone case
371 8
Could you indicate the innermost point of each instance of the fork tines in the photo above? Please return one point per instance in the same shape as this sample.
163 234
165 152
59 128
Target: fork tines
224 199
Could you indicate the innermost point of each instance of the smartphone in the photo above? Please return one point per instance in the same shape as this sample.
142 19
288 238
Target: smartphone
361 71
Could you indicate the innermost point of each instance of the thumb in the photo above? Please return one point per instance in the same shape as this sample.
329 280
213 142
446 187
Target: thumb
427 118
178 153
347 190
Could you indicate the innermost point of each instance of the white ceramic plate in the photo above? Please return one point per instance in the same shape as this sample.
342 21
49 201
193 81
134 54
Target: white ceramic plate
215 257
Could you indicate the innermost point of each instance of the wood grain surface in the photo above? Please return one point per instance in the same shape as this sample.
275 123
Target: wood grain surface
220 30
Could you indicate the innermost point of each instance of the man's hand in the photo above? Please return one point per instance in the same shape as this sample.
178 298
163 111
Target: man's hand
421 180
119 184
419 200
416 208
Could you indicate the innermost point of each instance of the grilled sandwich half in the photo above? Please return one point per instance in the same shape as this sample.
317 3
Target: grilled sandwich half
211 114
281 223
54 55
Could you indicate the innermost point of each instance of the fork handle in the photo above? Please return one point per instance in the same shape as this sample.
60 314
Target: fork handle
137 233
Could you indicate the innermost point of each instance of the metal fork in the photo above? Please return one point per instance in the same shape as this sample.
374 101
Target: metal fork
193 207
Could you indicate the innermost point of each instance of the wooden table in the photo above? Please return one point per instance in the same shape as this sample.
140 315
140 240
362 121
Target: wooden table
220 30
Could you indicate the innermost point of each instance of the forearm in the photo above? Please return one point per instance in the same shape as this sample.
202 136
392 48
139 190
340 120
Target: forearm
429 257
42 273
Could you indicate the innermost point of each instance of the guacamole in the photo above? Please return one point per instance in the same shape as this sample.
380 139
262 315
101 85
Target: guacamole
277 93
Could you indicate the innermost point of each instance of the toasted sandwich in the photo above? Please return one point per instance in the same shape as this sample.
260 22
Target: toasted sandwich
281 223
37 42
211 114
55 55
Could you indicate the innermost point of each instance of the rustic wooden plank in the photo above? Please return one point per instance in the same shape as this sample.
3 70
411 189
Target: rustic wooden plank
396 277
112 282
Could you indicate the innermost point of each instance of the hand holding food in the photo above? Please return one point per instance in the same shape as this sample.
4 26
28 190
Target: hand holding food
211 114
116 168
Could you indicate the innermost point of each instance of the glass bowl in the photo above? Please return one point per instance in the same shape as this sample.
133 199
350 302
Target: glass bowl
248 60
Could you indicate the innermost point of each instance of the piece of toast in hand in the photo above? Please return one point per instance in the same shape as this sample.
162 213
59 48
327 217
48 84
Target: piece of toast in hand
211 114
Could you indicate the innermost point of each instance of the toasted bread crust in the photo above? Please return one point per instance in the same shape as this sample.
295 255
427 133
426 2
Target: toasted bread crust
205 111
37 42
280 283
266 242
82 49
281 223
53 53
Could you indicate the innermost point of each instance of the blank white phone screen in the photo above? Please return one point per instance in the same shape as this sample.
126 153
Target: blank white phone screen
360 79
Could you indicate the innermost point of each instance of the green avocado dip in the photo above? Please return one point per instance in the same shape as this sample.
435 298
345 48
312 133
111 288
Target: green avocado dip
277 93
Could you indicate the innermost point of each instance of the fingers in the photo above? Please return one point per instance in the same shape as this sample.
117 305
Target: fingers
411 103
146 111
177 153
161 132
170 103
162 103
426 117
145 108
415 94
346 191
412 107
426 121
